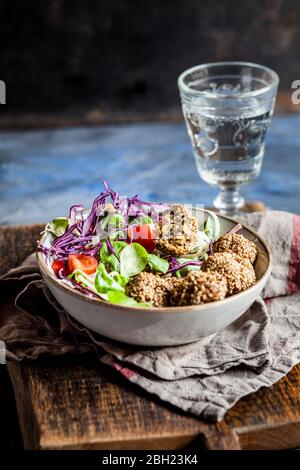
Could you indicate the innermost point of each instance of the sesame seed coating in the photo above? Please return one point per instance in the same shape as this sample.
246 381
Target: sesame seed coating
175 281
239 275
148 287
245 262
198 288
177 232
236 243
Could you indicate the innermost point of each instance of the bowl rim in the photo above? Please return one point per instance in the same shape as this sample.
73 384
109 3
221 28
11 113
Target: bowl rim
172 309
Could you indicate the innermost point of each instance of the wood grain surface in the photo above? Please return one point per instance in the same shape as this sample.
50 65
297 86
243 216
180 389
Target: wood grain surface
75 402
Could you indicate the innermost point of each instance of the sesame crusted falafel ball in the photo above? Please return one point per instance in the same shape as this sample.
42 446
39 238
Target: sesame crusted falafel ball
198 288
177 232
175 281
148 287
239 275
236 243
245 262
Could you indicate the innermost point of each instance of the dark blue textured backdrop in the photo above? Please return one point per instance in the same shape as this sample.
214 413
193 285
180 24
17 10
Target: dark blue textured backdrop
44 172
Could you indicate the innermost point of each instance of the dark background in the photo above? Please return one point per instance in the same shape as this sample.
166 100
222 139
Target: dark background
102 60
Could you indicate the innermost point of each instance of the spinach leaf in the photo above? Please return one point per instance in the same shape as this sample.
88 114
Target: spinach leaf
133 259
116 297
108 258
212 226
158 264
112 225
184 271
106 282
143 219
58 226
209 228
113 220
86 280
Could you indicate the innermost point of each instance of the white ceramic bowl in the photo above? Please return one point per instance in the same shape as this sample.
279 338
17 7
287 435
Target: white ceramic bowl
161 326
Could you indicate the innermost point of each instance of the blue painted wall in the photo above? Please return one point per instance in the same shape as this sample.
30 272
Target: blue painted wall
42 173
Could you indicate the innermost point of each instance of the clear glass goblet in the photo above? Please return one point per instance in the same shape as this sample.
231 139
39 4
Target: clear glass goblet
227 107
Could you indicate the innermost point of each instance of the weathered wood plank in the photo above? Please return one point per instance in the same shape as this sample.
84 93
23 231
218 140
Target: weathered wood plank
78 403
23 239
84 405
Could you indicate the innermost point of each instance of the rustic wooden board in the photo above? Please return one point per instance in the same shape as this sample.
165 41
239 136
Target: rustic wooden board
78 403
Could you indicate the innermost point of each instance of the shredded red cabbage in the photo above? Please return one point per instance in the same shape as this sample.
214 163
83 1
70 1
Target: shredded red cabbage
94 250
62 273
113 194
97 210
74 210
80 288
43 249
78 237
174 265
136 200
110 246
134 209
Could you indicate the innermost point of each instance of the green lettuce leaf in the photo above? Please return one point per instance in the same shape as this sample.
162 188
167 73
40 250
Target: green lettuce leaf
209 228
106 282
116 297
113 220
58 226
143 219
158 264
112 224
108 258
133 259
184 271
212 226
87 280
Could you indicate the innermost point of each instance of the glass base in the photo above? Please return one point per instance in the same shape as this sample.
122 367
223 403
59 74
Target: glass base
229 201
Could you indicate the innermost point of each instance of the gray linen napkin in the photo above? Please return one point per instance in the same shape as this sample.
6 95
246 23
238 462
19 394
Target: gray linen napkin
209 376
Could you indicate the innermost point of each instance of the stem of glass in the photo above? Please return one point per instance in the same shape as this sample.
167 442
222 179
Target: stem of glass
229 200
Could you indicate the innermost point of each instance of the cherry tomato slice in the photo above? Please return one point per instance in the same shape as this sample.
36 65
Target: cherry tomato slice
59 265
144 234
88 264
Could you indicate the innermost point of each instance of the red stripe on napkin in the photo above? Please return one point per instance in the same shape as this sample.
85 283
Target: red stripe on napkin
293 281
128 373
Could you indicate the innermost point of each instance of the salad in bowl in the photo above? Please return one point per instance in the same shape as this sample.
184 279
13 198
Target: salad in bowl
131 252
123 266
